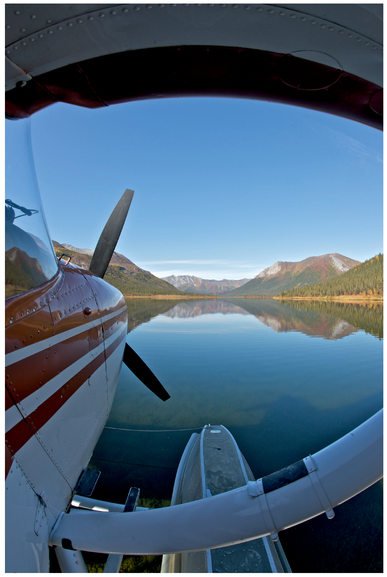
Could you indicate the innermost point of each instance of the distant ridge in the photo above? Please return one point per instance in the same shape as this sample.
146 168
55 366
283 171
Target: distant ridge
282 276
117 258
122 273
87 251
194 284
365 279
279 277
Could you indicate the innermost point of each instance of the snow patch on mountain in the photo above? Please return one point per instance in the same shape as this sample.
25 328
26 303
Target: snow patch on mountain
339 264
178 281
271 270
189 283
87 251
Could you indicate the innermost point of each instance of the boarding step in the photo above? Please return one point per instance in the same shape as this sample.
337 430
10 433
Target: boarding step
87 482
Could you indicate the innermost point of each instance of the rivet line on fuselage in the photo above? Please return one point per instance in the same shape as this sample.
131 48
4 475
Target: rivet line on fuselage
25 352
31 403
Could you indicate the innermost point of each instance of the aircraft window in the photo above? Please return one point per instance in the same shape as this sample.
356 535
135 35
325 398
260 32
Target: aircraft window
29 256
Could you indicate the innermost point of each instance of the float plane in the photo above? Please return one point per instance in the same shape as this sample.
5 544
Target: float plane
65 327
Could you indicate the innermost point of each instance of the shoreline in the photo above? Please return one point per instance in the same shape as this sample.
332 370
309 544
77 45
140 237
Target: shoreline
343 298
340 299
172 297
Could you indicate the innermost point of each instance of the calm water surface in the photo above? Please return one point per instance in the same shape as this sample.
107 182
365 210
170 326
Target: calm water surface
286 380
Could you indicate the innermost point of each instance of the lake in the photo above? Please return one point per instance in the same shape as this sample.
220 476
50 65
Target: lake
286 378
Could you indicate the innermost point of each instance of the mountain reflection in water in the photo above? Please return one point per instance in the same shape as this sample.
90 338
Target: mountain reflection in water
313 319
250 365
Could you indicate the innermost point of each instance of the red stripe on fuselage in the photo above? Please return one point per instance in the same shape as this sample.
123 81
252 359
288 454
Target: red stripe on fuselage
25 429
72 299
46 364
50 312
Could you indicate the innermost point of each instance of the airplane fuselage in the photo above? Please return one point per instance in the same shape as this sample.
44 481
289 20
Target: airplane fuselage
64 346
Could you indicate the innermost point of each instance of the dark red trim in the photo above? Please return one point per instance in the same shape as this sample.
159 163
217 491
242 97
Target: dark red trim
45 365
54 309
202 71
25 429
39 314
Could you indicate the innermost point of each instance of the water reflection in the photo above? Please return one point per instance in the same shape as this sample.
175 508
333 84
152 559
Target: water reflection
328 320
220 365
250 365
191 309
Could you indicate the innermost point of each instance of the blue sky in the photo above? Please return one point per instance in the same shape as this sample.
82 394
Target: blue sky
223 188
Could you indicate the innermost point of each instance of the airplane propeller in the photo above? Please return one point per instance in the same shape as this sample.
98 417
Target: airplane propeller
100 261
111 233
143 373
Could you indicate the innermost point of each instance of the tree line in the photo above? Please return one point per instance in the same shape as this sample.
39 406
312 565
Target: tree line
365 279
367 316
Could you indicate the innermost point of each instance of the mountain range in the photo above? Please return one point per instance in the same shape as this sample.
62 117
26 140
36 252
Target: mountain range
280 317
130 279
282 276
194 284
82 257
122 273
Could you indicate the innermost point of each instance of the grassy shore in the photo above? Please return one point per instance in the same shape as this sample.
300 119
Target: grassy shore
340 299
188 296
192 296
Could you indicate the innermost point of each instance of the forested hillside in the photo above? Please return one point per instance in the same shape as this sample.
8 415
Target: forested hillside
366 316
124 275
365 279
284 276
138 283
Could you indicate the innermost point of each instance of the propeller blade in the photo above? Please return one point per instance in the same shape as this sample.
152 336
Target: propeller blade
110 235
142 372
